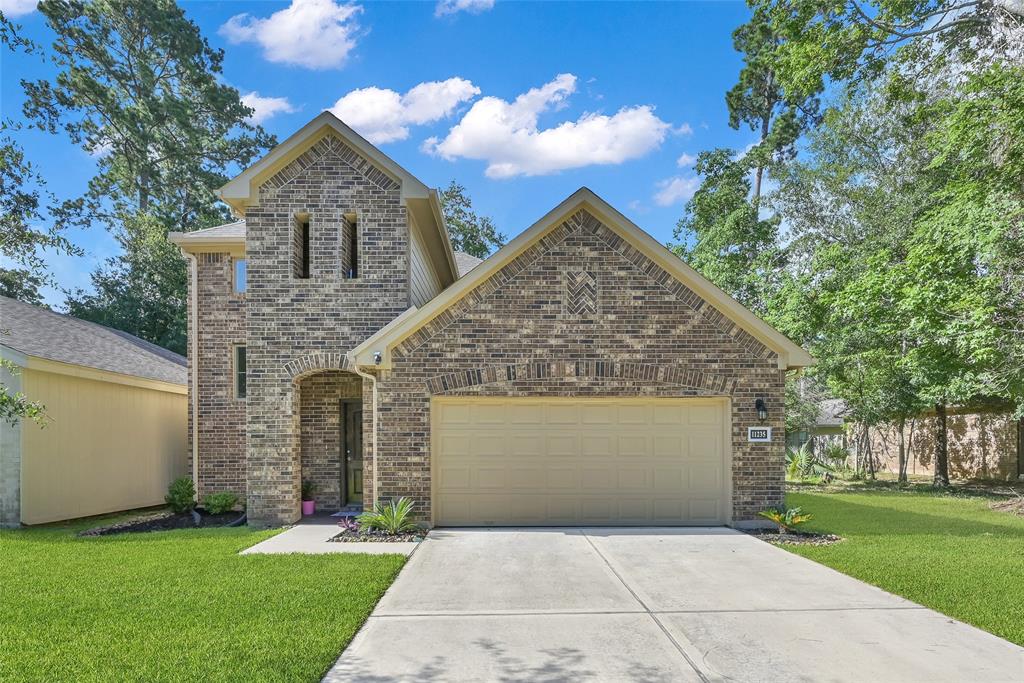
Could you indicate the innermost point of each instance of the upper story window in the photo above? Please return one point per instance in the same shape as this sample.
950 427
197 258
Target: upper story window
240 389
301 266
349 247
239 275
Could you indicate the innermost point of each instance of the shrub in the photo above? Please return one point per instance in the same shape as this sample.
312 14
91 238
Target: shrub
181 495
348 524
787 519
803 462
308 489
391 518
219 503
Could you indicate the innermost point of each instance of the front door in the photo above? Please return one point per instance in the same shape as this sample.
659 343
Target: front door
351 452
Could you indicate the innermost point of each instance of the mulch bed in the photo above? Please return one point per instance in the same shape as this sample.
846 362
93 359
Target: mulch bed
163 521
347 536
789 538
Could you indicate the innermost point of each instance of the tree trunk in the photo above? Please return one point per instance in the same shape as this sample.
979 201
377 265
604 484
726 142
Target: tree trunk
941 478
869 454
901 463
759 171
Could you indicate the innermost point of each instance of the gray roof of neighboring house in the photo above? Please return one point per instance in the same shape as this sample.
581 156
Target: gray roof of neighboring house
830 412
463 262
39 332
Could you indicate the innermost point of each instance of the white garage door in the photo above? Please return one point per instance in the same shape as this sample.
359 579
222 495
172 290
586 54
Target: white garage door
511 461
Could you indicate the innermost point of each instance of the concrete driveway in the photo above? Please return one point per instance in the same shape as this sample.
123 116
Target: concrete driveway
651 605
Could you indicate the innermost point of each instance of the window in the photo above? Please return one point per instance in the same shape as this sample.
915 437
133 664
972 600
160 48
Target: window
239 266
240 372
300 245
353 249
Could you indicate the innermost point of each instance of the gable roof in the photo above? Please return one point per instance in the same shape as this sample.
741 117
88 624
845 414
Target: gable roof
242 191
790 355
466 262
40 333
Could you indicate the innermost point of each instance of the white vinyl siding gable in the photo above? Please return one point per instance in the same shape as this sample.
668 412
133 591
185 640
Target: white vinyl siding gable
424 284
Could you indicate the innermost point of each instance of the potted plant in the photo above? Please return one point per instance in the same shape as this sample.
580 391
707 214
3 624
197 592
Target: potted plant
308 491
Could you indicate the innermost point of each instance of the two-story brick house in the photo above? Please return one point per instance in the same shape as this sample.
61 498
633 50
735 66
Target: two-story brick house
582 374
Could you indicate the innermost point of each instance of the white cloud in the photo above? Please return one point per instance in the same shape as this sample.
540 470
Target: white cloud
506 134
317 34
264 108
674 190
13 9
381 115
454 6
686 160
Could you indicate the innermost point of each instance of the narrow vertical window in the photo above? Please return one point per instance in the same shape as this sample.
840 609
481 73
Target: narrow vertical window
353 248
240 390
239 266
300 248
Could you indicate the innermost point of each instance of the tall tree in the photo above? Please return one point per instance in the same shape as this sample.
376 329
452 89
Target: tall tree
759 101
721 235
469 232
138 88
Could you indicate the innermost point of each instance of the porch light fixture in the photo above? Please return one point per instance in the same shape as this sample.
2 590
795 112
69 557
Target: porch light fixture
377 358
762 409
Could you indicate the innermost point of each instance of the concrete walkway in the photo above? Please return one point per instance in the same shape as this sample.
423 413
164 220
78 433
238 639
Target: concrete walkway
312 537
651 605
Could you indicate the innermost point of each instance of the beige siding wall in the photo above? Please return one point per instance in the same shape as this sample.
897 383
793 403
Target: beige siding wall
107 447
424 284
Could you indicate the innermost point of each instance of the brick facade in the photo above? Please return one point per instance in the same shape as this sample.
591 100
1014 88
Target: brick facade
580 313
221 432
325 315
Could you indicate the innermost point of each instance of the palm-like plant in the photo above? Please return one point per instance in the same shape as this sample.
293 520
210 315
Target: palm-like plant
801 462
391 518
788 520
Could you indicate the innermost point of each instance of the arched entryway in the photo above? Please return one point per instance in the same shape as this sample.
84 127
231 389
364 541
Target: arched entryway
329 406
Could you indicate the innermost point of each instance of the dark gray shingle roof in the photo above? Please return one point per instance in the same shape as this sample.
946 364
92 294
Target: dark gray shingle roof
831 412
39 332
228 230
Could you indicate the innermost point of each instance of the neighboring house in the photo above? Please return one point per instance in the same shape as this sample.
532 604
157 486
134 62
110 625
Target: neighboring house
828 427
583 374
116 418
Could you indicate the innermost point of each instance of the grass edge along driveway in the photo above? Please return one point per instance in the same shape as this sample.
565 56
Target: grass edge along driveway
947 552
177 606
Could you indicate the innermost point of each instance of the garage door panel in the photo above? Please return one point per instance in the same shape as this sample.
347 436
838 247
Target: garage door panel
580 461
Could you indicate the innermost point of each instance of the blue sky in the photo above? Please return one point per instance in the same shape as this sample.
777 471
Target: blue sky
521 102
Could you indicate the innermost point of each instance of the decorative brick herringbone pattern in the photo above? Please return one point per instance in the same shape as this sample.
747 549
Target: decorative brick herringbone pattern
580 293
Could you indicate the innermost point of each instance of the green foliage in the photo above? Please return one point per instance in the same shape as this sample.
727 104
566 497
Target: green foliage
141 90
835 455
14 405
219 503
22 284
309 488
804 462
391 518
469 232
181 495
788 519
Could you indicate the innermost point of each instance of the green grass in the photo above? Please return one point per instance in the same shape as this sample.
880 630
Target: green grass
177 606
948 552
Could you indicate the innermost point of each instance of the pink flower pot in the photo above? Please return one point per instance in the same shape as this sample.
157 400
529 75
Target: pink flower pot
308 507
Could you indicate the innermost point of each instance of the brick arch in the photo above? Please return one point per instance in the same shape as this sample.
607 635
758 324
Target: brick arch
316 362
647 372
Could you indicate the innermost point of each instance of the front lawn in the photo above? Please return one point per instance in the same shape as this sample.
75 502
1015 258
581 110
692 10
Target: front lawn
177 606
949 552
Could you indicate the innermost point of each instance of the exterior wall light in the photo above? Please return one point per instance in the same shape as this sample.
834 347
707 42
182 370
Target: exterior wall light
377 357
762 409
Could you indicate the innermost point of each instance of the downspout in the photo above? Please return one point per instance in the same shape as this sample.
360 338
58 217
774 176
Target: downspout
193 342
373 417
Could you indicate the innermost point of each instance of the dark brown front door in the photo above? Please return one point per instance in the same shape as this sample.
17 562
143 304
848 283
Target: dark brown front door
351 452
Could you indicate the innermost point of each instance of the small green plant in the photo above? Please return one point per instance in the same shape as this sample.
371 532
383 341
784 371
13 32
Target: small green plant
787 519
802 462
308 489
835 455
219 503
391 518
181 495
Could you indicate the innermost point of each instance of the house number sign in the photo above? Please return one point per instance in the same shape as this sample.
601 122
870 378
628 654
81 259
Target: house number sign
759 434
